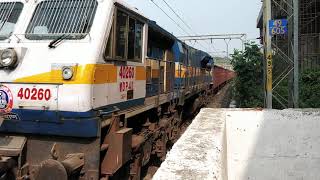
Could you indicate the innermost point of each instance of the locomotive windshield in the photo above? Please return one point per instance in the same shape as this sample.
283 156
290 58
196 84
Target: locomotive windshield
53 18
9 14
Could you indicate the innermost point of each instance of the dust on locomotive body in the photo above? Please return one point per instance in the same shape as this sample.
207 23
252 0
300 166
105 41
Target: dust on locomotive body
70 69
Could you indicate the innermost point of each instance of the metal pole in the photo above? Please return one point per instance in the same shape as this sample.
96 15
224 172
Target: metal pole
227 44
290 53
296 52
267 14
242 43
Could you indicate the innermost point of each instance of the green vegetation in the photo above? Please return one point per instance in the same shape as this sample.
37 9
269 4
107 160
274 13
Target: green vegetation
248 85
310 89
248 88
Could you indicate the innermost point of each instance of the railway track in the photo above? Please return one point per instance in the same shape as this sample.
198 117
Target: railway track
220 99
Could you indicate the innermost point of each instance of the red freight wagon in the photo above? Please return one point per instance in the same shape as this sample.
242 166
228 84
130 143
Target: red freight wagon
221 76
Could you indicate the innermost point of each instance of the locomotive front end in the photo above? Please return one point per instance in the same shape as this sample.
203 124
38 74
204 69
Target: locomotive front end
49 51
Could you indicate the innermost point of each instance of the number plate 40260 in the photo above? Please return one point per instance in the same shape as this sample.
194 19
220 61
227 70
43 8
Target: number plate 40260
35 96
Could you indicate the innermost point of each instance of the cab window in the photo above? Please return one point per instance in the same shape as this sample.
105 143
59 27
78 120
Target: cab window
52 19
121 35
125 39
9 14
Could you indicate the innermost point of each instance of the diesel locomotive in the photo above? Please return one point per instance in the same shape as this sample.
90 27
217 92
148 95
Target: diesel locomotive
91 89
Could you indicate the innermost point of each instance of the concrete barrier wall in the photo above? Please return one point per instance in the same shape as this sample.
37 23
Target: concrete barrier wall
266 145
239 144
198 154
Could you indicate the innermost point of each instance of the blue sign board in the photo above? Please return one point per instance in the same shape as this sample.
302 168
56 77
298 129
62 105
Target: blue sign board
278 27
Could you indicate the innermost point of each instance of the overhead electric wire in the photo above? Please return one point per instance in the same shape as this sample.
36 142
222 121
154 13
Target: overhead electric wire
186 24
174 11
175 22
170 17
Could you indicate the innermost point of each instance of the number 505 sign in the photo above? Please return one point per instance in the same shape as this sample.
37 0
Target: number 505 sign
278 27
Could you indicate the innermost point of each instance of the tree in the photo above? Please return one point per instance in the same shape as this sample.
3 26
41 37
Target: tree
310 89
248 85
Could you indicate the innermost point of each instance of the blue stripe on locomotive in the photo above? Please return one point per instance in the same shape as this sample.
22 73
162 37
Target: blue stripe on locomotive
77 127
195 58
179 82
178 55
177 51
62 123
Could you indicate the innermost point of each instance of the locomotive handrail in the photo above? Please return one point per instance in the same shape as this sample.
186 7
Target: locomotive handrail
104 113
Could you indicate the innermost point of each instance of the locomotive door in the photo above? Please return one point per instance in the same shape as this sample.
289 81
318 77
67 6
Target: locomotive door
100 92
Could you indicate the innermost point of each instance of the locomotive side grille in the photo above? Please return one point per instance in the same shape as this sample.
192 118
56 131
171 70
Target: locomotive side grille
54 17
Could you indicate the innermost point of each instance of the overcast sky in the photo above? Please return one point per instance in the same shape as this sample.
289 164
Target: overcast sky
206 17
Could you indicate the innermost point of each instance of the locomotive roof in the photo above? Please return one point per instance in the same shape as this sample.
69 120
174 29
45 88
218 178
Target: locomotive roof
154 25
131 8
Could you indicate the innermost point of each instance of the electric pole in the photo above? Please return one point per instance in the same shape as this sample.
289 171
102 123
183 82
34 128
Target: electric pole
296 53
268 53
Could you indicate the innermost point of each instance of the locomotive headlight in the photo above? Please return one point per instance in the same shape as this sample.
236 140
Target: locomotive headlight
67 73
8 58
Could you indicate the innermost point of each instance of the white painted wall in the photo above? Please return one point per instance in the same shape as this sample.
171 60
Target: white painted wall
197 155
266 145
247 145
